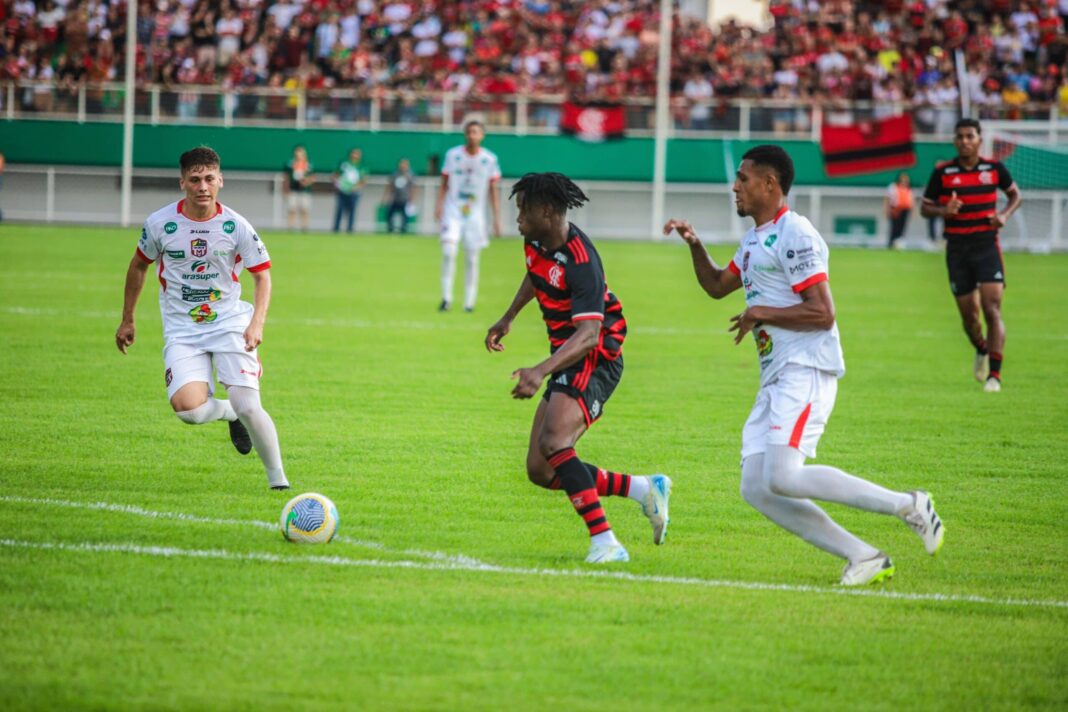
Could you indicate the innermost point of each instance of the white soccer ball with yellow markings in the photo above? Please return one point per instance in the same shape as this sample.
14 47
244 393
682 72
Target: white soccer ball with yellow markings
309 518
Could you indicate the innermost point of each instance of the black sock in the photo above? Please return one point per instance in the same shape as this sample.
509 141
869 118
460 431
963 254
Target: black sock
580 488
995 365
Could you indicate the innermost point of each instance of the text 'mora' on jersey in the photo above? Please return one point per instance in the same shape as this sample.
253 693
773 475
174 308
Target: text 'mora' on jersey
569 284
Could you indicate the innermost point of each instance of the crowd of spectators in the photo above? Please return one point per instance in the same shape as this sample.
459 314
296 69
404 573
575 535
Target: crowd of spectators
890 53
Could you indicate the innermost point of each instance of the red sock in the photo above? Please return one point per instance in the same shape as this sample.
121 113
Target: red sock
611 484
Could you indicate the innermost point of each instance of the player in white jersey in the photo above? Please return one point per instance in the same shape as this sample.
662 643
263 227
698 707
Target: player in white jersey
782 266
201 247
468 175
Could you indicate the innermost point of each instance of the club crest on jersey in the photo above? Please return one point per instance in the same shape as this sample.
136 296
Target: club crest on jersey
229 226
986 178
199 247
556 276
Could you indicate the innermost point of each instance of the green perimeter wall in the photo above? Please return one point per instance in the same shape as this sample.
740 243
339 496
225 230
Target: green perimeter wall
252 148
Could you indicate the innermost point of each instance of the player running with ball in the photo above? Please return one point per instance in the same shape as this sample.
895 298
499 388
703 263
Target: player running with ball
586 331
782 266
201 246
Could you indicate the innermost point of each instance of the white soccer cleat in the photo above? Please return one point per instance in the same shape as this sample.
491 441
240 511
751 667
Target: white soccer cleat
607 553
982 367
655 506
924 520
874 570
993 385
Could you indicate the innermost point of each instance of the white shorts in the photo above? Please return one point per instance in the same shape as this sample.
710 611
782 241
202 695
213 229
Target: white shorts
189 362
791 410
299 200
472 232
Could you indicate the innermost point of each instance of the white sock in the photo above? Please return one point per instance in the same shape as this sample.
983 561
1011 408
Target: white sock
448 269
789 476
639 487
800 516
210 410
262 431
608 537
471 257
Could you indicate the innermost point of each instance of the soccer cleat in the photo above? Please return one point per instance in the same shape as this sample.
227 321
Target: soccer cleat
606 553
280 487
469 309
993 385
444 306
240 438
924 520
655 506
982 367
874 570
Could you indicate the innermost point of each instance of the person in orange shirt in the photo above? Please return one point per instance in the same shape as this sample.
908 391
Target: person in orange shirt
898 205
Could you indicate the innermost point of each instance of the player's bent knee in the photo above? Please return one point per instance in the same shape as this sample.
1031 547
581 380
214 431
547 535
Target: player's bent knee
540 475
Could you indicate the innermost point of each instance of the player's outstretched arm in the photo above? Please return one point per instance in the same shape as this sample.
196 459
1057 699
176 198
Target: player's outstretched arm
497 332
716 282
135 282
814 313
261 284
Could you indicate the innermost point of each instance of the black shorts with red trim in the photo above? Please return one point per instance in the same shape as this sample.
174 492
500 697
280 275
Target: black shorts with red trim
591 382
972 262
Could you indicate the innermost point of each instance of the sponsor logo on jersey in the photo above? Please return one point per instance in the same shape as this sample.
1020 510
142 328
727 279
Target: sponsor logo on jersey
595 408
745 261
220 253
144 237
556 276
176 254
200 272
199 247
170 228
765 268
984 166
168 376
229 226
747 284
764 343
771 240
200 232
952 170
562 380
560 257
203 314
255 237
803 266
196 296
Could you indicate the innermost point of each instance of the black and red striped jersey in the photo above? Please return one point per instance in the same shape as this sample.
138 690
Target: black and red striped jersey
977 188
570 286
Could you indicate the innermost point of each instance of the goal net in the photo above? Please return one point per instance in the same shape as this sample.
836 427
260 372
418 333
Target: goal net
1038 163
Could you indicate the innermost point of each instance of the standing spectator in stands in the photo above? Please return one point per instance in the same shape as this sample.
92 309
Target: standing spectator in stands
898 205
399 195
228 36
349 180
297 188
699 91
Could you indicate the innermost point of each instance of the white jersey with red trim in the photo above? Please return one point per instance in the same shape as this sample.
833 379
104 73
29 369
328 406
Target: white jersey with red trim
199 262
777 261
469 183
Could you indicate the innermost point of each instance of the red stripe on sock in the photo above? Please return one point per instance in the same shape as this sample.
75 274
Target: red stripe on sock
561 456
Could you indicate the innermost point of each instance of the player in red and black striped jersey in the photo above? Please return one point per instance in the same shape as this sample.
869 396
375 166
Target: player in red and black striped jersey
586 332
964 193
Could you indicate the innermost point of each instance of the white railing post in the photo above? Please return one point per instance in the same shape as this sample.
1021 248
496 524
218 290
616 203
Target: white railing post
228 107
154 105
1057 219
376 110
11 100
302 108
276 203
81 103
744 116
815 211
521 108
446 113
50 194
817 123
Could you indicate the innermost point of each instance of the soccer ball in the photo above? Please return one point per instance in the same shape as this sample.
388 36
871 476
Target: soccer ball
309 518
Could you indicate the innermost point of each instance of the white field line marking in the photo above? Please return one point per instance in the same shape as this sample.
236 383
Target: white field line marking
180 516
169 552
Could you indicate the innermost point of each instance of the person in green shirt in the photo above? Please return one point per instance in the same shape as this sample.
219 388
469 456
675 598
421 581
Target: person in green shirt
349 180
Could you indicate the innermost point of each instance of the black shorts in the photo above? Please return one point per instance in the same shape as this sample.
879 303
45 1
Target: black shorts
970 264
591 382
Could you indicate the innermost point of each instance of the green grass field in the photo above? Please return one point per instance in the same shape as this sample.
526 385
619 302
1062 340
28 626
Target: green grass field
457 585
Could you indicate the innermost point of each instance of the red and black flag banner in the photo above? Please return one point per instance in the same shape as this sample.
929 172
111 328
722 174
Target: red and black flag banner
592 122
868 146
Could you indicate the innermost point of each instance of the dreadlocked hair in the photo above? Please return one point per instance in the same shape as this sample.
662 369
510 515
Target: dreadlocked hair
553 189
